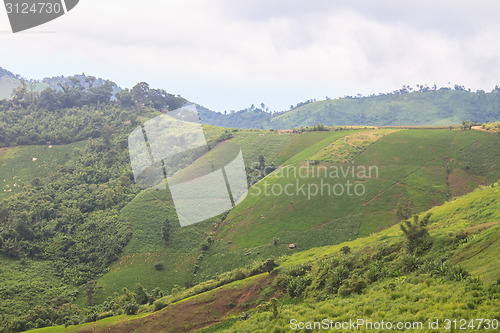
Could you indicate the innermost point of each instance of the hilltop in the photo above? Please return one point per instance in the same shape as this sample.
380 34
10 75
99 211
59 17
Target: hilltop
420 107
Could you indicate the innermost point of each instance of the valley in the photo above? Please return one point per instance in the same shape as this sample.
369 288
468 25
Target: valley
325 229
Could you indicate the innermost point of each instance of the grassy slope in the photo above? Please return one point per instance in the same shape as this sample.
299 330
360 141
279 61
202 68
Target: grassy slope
18 168
407 298
148 211
316 222
411 164
441 107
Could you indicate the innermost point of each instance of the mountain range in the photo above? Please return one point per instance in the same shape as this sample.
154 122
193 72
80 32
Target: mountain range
403 107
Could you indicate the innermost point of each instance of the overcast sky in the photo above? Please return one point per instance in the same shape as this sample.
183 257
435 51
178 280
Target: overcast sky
228 54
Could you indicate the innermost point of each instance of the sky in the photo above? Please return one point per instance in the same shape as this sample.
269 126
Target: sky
229 54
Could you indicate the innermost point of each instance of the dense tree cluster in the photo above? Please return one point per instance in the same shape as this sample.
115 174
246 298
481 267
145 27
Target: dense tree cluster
69 217
76 112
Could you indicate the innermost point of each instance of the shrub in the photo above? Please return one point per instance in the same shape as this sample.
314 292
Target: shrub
410 262
106 314
345 249
159 266
244 316
131 308
266 266
91 317
354 285
417 235
239 275
159 304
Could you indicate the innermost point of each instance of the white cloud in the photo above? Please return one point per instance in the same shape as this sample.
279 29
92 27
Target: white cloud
229 54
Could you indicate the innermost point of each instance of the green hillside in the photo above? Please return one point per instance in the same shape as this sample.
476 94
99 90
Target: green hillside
377 278
441 107
248 234
20 165
415 165
148 212
425 107
81 242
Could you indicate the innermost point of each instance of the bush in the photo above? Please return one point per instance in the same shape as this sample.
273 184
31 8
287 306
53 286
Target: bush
267 266
131 308
106 314
160 266
417 235
345 249
91 317
354 285
159 304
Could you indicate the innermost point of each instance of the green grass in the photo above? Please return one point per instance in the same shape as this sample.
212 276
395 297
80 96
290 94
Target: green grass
147 214
311 150
78 328
412 164
17 167
416 299
300 143
442 107
266 143
476 212
413 297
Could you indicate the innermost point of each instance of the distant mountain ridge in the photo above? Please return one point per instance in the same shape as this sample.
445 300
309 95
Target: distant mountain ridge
443 106
9 81
427 107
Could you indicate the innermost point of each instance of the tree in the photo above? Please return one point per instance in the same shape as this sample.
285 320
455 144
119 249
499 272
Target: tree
467 124
345 250
141 295
19 93
416 234
125 98
100 94
269 265
49 99
90 80
131 309
140 92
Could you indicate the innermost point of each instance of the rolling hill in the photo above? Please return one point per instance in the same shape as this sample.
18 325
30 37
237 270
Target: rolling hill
427 107
455 278
80 242
442 164
423 108
441 107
